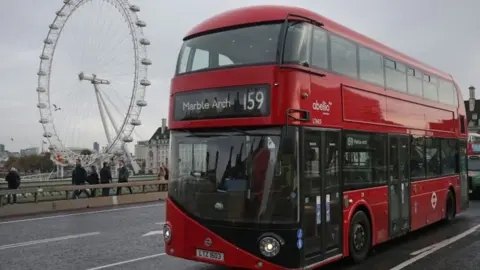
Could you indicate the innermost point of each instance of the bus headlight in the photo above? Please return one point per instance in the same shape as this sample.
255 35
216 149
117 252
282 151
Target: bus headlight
167 233
269 246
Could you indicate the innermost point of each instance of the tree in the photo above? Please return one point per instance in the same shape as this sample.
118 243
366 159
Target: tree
11 162
32 163
86 152
46 163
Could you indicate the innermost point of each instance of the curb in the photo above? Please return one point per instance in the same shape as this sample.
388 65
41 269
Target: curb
86 203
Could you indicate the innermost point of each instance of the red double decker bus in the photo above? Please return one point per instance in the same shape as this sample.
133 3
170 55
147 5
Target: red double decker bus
296 141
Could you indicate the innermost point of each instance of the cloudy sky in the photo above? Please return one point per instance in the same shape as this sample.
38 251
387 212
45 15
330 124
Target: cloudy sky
442 33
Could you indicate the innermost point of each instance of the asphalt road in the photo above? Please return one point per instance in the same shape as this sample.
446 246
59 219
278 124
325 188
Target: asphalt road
129 238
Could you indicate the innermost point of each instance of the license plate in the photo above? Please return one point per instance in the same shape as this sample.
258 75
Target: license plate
211 255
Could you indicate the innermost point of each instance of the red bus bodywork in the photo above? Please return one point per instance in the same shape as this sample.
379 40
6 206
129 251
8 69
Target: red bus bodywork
352 105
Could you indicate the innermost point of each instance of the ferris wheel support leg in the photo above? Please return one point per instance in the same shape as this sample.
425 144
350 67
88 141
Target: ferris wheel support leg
114 124
102 114
129 158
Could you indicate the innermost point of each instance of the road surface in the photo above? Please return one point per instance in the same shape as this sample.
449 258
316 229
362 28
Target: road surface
129 238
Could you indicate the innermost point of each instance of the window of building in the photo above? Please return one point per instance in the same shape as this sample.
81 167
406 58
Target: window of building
320 48
414 80
364 160
430 90
371 69
445 92
395 76
417 158
344 56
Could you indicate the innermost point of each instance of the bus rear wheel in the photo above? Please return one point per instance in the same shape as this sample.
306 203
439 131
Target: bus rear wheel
450 207
360 237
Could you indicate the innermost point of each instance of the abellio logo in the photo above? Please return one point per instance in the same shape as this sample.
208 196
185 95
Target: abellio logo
324 106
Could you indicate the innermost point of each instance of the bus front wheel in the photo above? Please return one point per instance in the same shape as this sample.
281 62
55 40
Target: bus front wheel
360 237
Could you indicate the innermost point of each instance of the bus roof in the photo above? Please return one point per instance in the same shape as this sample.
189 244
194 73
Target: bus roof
255 14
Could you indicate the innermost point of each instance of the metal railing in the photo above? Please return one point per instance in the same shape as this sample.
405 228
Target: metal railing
64 181
53 193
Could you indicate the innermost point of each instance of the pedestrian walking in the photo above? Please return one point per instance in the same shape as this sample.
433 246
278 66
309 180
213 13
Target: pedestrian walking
13 180
79 178
165 168
123 177
93 179
161 173
105 178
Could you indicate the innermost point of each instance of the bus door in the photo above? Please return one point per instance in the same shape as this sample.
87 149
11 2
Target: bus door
399 185
321 195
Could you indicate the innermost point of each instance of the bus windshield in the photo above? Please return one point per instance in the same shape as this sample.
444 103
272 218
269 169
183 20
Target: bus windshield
245 46
251 45
234 175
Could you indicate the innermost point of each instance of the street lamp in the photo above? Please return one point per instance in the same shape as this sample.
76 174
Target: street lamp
471 99
158 153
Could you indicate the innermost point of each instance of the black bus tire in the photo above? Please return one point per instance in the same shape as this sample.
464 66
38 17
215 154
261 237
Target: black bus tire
359 237
450 207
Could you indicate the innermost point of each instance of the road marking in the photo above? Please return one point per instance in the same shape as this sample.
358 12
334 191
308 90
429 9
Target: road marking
125 262
427 251
153 233
160 223
48 240
415 253
81 214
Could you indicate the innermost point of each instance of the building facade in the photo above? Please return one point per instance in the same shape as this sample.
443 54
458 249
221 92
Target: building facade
151 154
29 151
96 147
472 106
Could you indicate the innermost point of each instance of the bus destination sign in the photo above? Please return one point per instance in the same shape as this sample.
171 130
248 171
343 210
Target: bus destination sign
230 102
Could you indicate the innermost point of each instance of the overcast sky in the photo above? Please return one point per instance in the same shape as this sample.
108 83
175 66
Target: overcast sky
442 33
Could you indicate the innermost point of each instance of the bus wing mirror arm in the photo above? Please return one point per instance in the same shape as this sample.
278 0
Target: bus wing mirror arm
304 115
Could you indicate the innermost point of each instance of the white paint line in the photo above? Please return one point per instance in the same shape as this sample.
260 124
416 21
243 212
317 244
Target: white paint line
81 214
415 253
435 247
125 262
114 200
153 233
160 223
48 240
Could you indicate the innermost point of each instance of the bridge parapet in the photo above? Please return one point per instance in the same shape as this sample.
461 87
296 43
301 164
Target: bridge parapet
56 198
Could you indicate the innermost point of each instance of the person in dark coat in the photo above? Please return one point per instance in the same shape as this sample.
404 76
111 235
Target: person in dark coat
79 178
105 178
13 180
93 179
167 172
123 177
